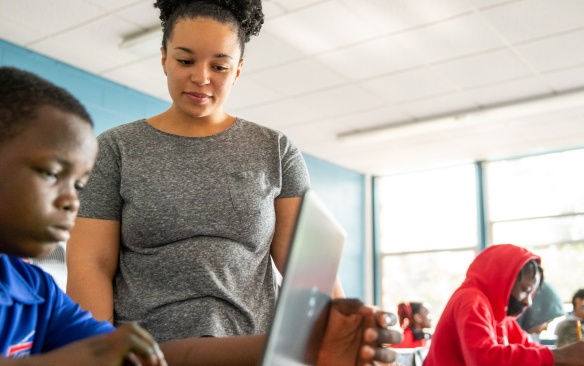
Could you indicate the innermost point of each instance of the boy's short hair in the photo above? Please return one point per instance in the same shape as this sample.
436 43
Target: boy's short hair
22 93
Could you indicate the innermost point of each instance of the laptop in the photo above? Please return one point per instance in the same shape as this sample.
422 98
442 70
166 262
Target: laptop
299 321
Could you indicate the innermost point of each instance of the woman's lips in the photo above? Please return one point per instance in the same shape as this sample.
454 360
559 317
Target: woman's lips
197 97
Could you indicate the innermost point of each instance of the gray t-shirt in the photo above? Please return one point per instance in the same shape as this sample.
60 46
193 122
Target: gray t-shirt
197 220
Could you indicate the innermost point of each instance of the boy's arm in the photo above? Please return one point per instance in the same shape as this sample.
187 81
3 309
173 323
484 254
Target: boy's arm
127 343
92 261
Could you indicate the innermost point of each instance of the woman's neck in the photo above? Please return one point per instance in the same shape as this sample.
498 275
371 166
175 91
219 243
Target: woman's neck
177 123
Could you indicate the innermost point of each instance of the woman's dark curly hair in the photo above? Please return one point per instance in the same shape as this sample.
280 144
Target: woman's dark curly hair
245 15
22 93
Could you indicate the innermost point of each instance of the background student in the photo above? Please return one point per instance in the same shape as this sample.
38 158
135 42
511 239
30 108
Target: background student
478 325
414 317
567 330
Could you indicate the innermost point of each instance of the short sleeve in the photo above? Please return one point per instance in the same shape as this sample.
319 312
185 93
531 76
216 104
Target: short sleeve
101 197
295 178
65 321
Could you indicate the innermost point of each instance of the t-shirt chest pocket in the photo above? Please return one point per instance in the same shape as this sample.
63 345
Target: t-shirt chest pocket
249 191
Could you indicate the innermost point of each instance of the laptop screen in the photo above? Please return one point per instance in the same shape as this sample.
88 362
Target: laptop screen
309 278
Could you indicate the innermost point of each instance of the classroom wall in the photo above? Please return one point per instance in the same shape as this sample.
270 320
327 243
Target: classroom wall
111 104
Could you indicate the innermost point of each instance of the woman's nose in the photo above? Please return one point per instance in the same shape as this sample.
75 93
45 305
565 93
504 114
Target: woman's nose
200 75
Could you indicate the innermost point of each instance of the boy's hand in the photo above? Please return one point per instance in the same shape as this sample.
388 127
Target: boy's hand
356 335
127 345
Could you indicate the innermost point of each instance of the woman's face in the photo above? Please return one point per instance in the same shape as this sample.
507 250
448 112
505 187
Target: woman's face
202 62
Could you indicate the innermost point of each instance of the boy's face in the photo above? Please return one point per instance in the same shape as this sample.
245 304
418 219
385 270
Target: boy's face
41 171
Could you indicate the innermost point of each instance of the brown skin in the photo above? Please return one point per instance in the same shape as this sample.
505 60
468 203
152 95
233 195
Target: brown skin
42 170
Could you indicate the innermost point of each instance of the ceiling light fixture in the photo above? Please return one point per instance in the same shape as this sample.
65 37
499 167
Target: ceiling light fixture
145 43
496 113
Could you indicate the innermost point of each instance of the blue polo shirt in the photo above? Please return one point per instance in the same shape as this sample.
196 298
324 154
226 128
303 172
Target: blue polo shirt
35 315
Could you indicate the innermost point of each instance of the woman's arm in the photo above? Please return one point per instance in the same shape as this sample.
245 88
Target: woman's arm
286 215
92 261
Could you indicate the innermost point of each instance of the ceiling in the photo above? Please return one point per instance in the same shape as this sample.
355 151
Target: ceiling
323 69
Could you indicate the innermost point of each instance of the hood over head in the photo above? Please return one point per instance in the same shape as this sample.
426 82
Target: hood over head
494 272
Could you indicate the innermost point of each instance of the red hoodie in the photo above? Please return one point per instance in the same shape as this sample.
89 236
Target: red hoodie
474 328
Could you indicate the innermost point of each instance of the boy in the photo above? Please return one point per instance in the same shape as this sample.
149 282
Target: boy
47 149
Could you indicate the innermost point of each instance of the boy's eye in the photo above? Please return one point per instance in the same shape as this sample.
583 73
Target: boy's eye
49 175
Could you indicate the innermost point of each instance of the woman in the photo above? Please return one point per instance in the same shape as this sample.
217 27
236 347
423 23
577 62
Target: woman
413 318
184 210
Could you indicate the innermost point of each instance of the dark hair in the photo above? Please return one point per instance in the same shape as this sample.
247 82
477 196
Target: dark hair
245 15
531 267
578 295
406 311
22 93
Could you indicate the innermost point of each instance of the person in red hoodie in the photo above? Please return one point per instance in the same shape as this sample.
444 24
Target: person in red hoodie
478 325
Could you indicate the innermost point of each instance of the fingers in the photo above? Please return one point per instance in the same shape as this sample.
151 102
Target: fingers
141 343
379 354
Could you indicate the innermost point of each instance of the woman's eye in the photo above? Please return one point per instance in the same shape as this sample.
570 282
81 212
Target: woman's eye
221 68
185 62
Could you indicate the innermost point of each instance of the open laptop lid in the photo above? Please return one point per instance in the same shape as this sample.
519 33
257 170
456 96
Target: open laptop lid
309 278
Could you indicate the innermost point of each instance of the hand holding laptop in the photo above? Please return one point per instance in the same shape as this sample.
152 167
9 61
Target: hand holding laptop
356 335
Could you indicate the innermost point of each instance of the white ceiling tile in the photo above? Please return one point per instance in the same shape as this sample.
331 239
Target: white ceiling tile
561 80
488 3
142 14
409 85
457 37
337 101
299 77
398 15
103 51
322 131
266 50
291 5
368 59
439 105
112 5
18 32
487 68
322 27
47 16
509 91
373 117
248 93
556 52
271 9
528 19
280 113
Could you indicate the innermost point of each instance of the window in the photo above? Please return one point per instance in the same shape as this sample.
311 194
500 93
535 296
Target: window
427 234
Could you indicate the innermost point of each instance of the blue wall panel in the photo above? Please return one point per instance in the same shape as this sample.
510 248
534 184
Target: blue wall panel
343 191
111 104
